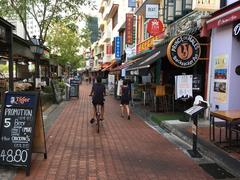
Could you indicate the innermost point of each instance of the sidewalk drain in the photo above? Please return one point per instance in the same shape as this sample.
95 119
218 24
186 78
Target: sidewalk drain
216 171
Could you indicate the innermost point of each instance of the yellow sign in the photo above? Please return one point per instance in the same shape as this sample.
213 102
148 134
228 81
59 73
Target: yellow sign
206 5
147 43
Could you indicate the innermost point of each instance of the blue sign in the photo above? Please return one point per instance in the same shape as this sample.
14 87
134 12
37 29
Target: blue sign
132 3
117 50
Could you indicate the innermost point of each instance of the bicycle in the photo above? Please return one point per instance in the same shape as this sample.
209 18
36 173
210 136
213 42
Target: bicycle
98 116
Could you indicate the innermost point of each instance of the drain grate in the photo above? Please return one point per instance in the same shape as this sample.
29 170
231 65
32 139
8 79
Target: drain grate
216 171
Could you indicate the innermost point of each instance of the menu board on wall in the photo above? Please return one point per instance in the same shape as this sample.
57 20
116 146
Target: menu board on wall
22 129
220 78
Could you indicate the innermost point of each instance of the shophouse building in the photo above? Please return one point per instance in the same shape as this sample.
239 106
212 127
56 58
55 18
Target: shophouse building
224 55
112 23
178 53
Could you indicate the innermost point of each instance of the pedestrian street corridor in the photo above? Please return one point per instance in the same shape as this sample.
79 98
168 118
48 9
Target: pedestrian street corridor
124 149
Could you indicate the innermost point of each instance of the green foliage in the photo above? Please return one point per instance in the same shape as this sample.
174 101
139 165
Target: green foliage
4 68
65 41
43 11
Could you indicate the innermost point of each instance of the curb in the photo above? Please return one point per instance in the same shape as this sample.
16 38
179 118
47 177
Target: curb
207 149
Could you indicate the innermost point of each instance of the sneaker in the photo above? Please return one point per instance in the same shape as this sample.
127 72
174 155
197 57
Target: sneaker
128 117
92 120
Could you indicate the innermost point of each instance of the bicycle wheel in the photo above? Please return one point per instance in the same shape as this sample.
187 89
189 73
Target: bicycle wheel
98 123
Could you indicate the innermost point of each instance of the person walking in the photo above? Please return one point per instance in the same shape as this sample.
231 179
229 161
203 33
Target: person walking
98 92
125 98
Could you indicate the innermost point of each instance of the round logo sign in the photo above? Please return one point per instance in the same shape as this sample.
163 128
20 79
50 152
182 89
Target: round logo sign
184 51
154 27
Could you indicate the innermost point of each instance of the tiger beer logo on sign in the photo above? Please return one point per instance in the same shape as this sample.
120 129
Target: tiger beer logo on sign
184 51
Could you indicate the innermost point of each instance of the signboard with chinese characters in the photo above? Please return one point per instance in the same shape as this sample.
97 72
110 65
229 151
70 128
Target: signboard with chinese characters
109 49
152 11
155 27
118 48
209 5
22 130
148 43
184 51
129 28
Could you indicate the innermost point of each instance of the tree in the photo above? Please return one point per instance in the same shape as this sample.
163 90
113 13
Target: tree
44 12
65 42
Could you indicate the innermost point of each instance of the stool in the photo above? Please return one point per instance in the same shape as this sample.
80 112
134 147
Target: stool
220 125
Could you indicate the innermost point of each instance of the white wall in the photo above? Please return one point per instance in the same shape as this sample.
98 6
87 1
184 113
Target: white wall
231 1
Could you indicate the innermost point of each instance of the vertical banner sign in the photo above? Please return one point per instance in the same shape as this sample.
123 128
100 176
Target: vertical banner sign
129 28
118 48
109 49
152 11
111 83
132 3
22 129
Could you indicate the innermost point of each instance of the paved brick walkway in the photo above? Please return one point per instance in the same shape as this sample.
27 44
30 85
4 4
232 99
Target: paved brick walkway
123 150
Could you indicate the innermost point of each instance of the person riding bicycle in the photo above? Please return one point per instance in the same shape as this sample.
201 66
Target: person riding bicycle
98 92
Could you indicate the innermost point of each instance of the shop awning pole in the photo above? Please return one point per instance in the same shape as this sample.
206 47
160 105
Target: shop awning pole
10 55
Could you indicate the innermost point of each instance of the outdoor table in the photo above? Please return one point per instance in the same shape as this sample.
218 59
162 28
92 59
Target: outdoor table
229 116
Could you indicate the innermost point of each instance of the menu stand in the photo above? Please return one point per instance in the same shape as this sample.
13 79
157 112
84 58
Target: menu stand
193 113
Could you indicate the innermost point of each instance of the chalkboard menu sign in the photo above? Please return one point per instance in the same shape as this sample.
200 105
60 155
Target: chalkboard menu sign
56 91
74 88
22 130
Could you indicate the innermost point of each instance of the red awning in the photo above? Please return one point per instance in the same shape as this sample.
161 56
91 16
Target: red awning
107 68
224 16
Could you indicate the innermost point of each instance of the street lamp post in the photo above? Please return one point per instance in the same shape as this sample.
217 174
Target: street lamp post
37 50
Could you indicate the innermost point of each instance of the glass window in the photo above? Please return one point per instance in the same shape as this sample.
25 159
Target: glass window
146 34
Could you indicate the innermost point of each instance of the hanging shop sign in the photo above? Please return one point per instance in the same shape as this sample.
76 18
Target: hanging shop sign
184 51
132 3
117 49
129 28
210 5
109 49
148 43
224 19
236 30
152 11
155 27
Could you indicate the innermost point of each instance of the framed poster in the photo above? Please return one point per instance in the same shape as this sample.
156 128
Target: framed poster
220 78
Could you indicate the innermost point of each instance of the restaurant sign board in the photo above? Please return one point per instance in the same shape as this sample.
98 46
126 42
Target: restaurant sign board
210 5
236 30
184 51
223 19
117 49
129 28
154 27
152 11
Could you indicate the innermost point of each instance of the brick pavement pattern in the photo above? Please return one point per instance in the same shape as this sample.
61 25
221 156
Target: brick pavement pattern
124 149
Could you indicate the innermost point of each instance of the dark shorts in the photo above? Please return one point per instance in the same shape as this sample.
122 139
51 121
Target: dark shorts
124 102
97 103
